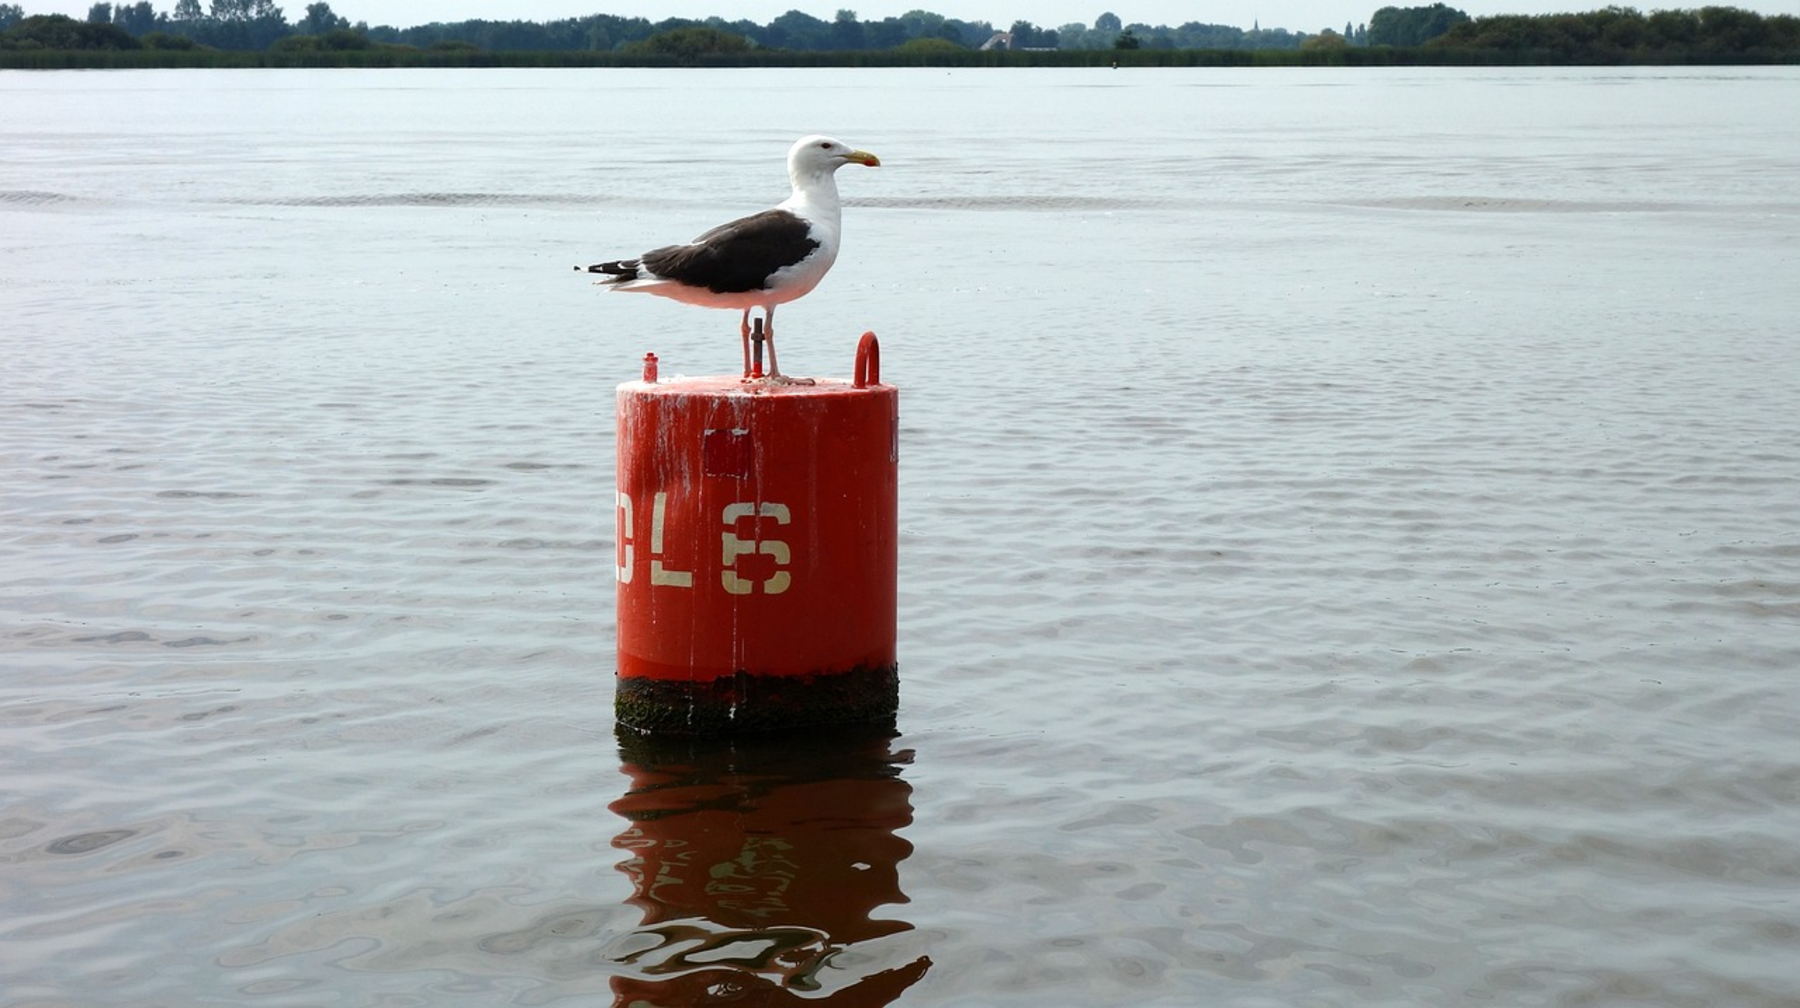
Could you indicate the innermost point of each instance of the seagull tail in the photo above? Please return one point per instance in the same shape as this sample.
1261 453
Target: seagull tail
618 271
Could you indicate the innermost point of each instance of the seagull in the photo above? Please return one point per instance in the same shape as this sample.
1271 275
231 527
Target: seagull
759 261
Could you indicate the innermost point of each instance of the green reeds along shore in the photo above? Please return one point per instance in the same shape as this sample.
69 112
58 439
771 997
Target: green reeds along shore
143 59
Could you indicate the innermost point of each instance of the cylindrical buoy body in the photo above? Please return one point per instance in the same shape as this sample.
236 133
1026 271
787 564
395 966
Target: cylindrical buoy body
757 554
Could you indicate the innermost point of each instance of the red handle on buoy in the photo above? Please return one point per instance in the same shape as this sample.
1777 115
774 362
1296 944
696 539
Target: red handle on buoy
868 361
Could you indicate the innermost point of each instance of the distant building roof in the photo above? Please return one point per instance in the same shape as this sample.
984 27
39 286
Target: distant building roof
1004 40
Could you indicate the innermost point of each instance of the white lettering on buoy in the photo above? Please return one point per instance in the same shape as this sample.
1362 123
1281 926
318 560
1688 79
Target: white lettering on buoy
735 547
658 575
622 565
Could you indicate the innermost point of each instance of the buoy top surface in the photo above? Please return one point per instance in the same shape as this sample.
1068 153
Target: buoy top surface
733 386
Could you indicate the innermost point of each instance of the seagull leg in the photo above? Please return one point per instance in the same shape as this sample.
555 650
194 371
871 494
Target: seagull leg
775 375
769 335
774 369
746 334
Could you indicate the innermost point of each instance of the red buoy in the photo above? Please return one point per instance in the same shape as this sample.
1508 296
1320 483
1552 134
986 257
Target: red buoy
757 552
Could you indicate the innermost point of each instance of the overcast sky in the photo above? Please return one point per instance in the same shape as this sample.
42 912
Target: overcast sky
1297 15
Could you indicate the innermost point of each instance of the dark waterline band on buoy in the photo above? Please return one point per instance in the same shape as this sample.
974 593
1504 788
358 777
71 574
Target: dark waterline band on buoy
757 552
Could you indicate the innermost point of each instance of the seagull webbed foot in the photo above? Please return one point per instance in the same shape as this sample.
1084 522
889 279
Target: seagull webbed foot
780 380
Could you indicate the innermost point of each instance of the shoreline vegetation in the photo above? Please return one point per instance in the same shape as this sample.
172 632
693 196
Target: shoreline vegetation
255 34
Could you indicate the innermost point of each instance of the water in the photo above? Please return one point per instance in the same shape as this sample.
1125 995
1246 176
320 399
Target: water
1349 552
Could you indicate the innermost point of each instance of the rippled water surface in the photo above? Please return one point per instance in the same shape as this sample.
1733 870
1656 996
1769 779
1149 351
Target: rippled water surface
1349 542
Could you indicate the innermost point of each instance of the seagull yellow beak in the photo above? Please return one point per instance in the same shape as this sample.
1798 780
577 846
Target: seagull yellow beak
863 157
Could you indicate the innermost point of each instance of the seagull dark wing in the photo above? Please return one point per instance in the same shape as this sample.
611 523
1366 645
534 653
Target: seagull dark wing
736 257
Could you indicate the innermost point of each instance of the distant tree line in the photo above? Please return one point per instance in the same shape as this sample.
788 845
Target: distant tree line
1623 35
1412 26
1435 33
258 24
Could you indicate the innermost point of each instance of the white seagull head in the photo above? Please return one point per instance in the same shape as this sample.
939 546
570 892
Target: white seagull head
819 156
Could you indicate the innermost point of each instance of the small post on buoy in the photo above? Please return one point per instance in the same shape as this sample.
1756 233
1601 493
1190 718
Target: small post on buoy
756 352
757 551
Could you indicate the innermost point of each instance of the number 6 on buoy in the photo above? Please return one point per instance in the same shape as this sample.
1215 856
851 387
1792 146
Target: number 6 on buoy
735 547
